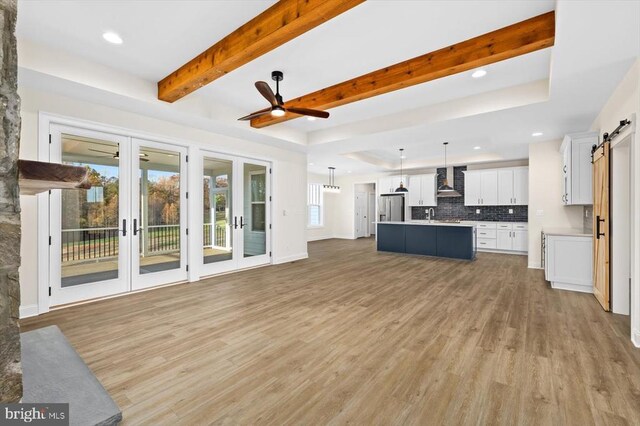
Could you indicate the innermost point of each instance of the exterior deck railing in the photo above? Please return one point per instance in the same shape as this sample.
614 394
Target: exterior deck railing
97 243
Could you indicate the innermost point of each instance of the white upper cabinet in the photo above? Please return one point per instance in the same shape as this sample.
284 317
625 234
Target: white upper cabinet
577 168
472 189
389 184
513 186
481 187
414 197
422 190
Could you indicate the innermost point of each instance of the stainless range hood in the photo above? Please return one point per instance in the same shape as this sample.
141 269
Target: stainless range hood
445 191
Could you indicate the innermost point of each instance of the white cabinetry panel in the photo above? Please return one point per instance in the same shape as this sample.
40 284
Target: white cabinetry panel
568 262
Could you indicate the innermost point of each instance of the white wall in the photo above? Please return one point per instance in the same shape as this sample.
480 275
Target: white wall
288 180
625 103
545 196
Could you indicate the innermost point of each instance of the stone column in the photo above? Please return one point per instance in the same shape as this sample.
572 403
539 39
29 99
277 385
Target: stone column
10 368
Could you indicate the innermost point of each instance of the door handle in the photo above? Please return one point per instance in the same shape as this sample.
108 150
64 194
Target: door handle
124 227
242 224
235 222
598 233
135 227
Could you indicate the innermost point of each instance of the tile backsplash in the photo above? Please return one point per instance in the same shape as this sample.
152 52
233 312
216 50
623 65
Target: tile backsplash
587 218
454 208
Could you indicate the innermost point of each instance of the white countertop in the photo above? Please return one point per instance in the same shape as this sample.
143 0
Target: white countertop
574 232
434 223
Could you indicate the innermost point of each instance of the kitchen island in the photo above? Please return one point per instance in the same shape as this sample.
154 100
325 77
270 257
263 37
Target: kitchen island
440 239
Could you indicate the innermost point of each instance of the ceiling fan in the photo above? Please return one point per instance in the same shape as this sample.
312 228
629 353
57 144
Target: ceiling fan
116 154
278 108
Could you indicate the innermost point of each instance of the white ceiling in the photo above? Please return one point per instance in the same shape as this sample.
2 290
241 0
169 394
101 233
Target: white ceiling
572 80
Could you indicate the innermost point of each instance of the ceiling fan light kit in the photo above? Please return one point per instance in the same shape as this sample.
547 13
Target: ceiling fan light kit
278 107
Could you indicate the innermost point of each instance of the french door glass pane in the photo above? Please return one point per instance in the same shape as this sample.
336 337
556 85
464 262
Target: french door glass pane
217 210
159 210
90 217
254 218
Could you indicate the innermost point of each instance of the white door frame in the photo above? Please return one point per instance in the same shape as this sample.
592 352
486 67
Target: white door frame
63 295
153 279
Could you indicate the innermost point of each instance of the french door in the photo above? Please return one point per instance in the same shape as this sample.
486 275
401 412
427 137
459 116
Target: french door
159 220
236 213
128 231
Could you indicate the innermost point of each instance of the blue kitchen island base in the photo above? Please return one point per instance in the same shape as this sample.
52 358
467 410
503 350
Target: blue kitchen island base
453 241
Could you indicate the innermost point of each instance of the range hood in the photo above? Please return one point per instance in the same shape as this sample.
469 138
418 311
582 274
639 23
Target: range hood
446 191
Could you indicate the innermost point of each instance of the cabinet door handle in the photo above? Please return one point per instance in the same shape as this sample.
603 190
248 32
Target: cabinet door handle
124 227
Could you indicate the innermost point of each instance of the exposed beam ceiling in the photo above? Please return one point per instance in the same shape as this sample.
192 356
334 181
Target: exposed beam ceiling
277 25
508 42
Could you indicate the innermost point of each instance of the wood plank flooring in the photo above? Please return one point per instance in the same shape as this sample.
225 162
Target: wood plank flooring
355 336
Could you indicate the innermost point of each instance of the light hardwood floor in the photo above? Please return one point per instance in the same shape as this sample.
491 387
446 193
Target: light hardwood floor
355 336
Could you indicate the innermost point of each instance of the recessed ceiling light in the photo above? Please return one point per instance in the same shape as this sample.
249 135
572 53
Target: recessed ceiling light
479 73
476 147
348 171
536 134
311 164
112 37
311 118
403 156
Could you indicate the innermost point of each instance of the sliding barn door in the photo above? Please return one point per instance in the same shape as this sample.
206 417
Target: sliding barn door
601 225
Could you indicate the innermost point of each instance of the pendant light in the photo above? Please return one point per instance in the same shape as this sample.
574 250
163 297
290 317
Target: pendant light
401 188
331 187
445 190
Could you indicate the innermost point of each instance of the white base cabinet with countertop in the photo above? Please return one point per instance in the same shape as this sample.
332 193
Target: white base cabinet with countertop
567 259
503 237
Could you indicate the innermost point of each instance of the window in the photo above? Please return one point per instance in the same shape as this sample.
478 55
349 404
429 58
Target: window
314 204
258 201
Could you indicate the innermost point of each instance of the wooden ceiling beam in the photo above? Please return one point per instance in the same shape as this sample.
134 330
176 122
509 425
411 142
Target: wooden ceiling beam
277 25
508 42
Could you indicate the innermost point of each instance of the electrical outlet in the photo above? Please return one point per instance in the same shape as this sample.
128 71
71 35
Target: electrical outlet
539 212
510 211
426 211
477 211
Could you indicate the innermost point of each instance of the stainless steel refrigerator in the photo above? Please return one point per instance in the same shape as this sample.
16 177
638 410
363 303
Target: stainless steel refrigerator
391 208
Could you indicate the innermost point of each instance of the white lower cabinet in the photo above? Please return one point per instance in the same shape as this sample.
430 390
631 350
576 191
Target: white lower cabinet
568 262
503 236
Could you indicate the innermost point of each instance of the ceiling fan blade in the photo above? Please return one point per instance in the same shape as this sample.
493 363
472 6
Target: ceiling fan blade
97 150
265 90
255 114
310 112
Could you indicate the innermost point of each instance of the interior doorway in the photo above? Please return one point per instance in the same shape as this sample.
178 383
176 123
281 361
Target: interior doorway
364 209
621 226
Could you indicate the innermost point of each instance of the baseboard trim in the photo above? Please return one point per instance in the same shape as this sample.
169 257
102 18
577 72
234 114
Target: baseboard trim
292 258
324 237
572 287
635 338
27 311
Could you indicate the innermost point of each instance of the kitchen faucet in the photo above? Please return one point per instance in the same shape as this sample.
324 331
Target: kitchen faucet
430 214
